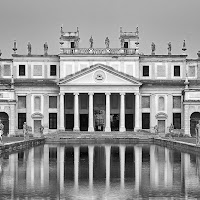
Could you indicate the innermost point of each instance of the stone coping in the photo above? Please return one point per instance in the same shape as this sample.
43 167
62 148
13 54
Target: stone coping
16 146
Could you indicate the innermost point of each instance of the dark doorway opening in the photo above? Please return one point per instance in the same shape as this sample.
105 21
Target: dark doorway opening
194 119
99 116
69 122
129 122
83 122
114 122
5 121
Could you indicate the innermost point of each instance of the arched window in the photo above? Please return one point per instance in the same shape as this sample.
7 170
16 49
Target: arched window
37 103
161 104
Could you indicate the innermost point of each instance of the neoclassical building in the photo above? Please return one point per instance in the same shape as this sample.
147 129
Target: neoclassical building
99 89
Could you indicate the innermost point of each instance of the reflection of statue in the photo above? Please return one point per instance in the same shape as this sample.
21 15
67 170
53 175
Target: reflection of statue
91 42
153 48
45 48
169 48
107 42
197 130
29 48
1 131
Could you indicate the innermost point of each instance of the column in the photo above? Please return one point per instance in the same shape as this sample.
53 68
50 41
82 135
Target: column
122 113
91 121
122 164
152 111
76 165
62 112
91 161
12 119
107 150
186 120
76 113
137 111
138 167
46 114
107 128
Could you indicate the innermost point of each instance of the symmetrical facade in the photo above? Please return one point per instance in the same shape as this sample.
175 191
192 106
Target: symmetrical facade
100 89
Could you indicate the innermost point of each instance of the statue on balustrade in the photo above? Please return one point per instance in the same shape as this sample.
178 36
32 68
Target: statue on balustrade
1 132
153 48
91 42
107 42
45 48
122 42
197 130
29 48
41 130
25 130
169 48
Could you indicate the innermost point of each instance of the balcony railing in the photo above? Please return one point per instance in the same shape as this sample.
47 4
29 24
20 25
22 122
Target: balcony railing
98 51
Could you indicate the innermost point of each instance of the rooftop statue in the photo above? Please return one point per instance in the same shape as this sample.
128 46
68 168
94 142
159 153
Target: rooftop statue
91 42
169 48
122 42
45 48
29 48
153 48
107 42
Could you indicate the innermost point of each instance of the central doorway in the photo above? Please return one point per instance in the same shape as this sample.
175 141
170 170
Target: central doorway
99 112
161 126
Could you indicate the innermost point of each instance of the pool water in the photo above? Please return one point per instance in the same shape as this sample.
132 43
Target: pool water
106 171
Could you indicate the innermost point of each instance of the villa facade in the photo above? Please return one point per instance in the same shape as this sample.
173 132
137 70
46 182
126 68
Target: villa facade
100 89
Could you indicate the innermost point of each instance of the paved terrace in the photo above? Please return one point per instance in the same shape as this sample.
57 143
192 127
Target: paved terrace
99 135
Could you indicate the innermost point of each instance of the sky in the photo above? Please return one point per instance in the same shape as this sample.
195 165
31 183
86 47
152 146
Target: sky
159 21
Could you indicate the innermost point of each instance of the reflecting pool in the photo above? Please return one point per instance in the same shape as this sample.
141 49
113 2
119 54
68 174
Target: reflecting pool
119 171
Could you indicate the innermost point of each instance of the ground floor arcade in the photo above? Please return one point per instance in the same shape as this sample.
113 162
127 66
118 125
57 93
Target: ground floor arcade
99 111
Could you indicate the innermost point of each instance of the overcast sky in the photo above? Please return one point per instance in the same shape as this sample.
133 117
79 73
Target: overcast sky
160 21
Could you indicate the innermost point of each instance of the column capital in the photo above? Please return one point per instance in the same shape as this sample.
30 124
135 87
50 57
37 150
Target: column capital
137 93
76 93
107 93
90 93
61 93
122 93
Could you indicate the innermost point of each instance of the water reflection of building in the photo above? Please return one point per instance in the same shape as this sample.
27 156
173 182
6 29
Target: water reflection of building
125 170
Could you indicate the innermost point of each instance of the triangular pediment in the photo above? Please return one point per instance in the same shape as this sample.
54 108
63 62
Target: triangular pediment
99 74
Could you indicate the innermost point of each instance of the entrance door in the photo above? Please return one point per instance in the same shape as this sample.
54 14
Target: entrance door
37 125
69 120
161 126
194 119
129 122
83 122
5 122
99 116
114 119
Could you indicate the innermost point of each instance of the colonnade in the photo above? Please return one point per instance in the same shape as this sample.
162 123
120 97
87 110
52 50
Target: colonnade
91 113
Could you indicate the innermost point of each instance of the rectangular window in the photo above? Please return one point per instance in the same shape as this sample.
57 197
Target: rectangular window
21 102
52 70
21 120
161 72
191 71
114 101
177 120
125 45
176 101
145 120
7 70
145 101
177 70
37 70
129 101
72 45
22 70
145 71
69 101
52 120
53 102
37 103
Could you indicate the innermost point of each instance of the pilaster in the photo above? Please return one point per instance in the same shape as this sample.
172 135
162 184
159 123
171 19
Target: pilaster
46 113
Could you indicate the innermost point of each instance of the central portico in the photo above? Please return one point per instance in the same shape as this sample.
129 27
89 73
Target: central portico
99 98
